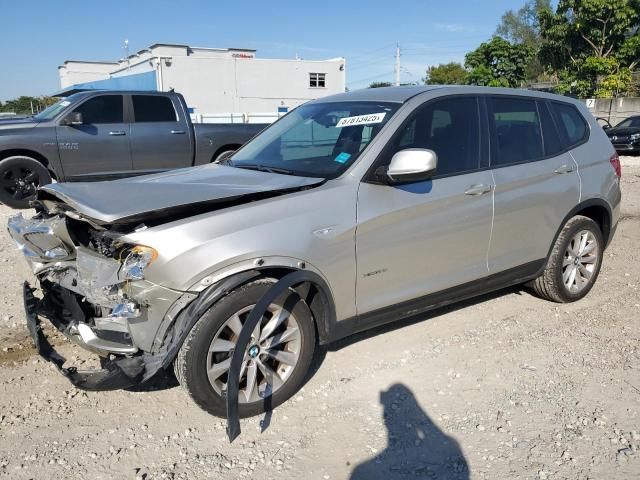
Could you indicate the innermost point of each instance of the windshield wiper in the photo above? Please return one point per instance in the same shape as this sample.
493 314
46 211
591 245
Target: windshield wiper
264 168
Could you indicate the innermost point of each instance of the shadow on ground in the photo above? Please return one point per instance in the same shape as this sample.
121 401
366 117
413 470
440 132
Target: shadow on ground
416 447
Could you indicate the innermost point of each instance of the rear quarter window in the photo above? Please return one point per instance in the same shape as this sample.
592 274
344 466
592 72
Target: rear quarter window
571 123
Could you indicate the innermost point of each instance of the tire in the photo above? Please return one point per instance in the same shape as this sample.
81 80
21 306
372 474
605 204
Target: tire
20 178
193 358
553 283
221 158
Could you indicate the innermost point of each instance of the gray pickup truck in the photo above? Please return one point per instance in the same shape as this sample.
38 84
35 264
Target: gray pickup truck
102 135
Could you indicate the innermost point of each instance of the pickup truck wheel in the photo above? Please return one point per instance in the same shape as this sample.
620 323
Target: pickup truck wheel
224 156
574 263
20 178
276 362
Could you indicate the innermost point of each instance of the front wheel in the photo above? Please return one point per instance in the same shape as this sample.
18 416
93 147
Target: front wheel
276 361
574 263
20 178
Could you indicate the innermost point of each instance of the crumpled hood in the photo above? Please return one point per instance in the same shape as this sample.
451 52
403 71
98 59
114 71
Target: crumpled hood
184 192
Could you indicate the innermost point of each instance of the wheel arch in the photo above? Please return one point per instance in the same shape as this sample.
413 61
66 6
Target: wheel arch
17 152
224 148
596 209
315 292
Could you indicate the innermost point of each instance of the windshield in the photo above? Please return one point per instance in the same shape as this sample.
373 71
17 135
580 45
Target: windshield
629 122
316 140
51 111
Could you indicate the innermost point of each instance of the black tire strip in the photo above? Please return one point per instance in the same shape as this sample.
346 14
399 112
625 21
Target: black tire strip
233 378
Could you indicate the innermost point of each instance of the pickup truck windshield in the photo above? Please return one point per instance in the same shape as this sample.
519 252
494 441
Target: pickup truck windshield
51 111
316 140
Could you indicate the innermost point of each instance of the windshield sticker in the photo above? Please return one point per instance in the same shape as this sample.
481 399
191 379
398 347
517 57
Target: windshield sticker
361 120
65 103
343 157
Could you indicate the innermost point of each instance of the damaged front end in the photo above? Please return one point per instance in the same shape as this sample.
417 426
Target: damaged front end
94 292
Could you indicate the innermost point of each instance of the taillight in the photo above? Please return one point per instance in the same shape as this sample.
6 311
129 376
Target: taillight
615 163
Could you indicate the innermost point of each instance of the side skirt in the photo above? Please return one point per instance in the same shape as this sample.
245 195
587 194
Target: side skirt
383 316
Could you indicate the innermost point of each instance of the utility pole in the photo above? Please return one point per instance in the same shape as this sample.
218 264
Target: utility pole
397 68
126 53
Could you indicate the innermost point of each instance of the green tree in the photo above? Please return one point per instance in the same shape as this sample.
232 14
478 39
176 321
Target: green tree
523 27
593 45
22 105
498 63
379 84
446 74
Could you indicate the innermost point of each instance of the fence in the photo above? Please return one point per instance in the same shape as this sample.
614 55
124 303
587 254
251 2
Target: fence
614 110
247 117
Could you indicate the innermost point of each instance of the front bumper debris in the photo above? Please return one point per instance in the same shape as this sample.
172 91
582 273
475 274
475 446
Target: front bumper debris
123 372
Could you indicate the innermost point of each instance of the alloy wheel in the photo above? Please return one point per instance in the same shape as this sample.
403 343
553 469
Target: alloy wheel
269 360
580 261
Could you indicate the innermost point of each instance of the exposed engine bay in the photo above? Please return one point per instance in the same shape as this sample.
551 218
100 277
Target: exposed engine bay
86 274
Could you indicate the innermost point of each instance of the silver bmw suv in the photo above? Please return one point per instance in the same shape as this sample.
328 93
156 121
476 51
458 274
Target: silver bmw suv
392 201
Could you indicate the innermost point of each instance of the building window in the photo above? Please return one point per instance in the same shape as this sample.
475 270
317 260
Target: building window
317 80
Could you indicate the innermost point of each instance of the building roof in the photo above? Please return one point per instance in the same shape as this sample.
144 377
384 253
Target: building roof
90 62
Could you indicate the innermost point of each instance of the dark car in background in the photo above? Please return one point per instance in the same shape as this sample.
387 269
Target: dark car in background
625 136
103 135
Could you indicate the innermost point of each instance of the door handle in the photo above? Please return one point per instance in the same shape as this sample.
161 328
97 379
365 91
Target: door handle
177 132
564 169
478 189
117 133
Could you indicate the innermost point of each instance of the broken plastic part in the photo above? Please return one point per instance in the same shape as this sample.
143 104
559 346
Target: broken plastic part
122 372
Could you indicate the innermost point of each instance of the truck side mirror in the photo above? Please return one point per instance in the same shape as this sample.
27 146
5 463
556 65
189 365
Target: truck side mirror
74 118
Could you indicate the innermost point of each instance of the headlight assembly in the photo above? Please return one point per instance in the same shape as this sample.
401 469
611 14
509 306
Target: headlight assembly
634 137
137 259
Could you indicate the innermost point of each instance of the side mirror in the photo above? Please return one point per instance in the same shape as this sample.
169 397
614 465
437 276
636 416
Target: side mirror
411 165
74 118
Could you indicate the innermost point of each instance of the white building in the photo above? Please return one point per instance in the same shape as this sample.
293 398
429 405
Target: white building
212 80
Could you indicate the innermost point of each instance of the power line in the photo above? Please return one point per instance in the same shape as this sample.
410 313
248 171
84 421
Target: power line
371 52
371 78
373 62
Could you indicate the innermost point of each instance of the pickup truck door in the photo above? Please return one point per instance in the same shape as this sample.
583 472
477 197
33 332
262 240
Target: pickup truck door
421 238
99 147
161 135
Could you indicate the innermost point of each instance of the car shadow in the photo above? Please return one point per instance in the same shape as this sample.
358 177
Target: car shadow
162 380
416 447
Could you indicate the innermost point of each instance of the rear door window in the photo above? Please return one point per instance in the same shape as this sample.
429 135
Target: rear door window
152 108
516 131
572 124
552 142
102 109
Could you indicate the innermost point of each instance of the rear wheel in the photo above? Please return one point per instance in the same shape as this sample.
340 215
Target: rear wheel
574 263
276 361
20 178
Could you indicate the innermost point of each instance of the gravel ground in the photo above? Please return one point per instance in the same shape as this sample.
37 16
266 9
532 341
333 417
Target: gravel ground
507 386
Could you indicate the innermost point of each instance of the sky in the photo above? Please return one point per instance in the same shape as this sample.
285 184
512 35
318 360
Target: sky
39 35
